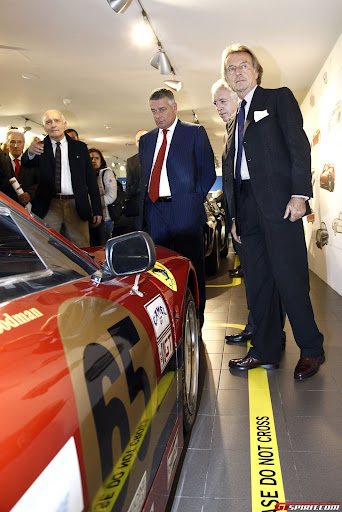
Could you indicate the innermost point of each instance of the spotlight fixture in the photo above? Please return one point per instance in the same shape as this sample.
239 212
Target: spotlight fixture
26 128
173 84
195 118
161 61
119 6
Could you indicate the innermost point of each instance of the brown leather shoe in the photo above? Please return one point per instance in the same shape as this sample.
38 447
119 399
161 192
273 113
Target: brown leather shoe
308 366
248 362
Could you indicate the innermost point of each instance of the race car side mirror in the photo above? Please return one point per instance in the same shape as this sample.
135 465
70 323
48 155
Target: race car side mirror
132 253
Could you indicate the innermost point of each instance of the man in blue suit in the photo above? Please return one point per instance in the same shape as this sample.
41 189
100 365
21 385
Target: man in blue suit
178 170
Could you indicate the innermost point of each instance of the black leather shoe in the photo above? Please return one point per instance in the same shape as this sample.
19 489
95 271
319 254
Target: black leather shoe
307 367
248 363
239 337
237 272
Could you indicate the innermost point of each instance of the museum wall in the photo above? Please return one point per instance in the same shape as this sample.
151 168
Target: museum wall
322 113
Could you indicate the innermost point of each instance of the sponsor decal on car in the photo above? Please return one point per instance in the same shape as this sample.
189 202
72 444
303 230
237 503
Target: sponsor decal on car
139 497
58 487
159 316
172 459
8 322
164 275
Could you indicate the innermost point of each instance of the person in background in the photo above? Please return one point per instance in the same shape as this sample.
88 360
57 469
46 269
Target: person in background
177 172
226 102
106 182
27 177
67 192
267 182
72 133
133 178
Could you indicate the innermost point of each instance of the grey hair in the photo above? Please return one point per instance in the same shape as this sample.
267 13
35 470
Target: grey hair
159 94
222 84
44 116
14 131
241 48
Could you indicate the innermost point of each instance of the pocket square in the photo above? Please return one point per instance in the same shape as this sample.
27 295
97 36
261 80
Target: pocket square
260 114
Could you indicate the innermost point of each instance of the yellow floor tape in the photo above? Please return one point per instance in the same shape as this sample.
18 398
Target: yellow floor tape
266 479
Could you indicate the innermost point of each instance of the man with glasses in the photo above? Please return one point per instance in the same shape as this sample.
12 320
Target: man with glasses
267 179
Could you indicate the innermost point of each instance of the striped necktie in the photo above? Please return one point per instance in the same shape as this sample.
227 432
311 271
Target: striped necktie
58 164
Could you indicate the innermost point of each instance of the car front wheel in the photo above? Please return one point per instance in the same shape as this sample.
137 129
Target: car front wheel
190 367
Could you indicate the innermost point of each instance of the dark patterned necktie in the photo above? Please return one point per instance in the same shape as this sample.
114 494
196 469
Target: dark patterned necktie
156 171
241 124
58 164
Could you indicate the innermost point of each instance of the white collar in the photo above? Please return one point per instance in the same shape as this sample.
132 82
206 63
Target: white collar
171 128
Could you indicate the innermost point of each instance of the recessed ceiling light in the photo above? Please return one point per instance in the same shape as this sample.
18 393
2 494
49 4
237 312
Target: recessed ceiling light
107 127
30 76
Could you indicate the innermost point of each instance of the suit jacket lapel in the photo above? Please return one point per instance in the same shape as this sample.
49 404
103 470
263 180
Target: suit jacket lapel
257 103
229 148
49 155
150 148
176 138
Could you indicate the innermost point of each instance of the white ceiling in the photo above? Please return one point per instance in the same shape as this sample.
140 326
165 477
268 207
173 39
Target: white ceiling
83 51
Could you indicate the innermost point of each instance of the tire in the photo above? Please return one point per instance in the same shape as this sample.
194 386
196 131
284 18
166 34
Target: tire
212 262
190 362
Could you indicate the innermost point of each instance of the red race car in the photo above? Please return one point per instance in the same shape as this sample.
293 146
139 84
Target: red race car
99 369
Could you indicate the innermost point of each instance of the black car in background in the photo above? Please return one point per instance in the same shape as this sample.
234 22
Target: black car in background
215 236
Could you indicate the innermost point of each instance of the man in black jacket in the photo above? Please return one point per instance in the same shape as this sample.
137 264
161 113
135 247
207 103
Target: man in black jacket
267 182
67 179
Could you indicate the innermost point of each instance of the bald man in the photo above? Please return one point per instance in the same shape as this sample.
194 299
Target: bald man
64 200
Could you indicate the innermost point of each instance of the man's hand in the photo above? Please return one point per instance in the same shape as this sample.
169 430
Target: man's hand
234 235
24 198
96 220
295 209
36 147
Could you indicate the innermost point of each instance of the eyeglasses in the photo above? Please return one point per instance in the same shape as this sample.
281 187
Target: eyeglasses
231 70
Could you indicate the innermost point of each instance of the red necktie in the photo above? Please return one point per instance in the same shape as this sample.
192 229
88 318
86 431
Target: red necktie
155 176
17 167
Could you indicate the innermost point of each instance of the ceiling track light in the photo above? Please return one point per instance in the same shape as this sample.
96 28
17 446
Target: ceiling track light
173 84
119 6
195 118
161 61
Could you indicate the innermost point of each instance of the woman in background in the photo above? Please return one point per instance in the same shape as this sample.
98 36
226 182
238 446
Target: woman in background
106 181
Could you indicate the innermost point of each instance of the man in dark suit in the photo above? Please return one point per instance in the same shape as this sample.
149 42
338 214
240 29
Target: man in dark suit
133 178
133 172
66 179
28 178
267 181
171 204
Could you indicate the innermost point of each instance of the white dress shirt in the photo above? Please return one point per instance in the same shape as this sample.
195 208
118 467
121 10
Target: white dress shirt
244 168
15 158
164 187
66 185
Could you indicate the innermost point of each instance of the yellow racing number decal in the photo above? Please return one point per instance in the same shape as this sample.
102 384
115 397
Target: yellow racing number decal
164 275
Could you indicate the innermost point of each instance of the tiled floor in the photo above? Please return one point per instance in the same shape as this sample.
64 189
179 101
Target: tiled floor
215 474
